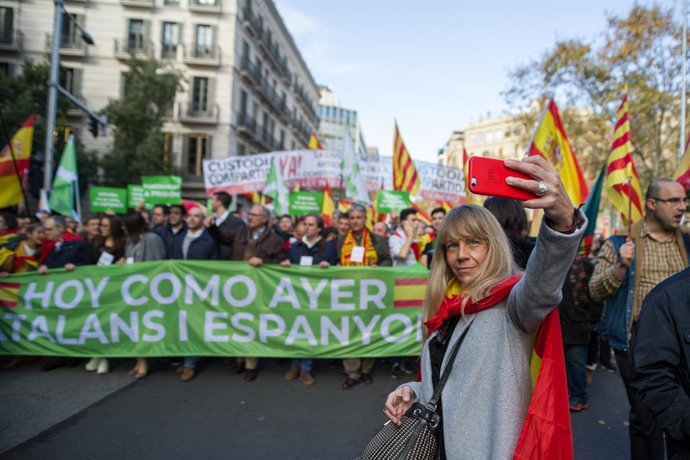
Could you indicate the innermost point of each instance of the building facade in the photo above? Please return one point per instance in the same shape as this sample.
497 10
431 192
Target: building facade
335 121
246 87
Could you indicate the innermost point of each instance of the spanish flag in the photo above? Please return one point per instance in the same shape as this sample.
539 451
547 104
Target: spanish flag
314 143
551 142
622 181
12 170
682 173
327 207
9 294
405 175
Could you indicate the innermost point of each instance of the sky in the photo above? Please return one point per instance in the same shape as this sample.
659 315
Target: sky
434 66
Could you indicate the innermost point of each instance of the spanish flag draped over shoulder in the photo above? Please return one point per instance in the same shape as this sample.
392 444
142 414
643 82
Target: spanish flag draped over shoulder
11 177
405 175
682 172
551 142
622 181
314 143
547 433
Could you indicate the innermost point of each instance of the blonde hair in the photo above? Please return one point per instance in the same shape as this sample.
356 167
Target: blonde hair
461 224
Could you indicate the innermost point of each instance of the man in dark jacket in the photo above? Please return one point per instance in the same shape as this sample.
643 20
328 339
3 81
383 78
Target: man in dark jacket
264 247
228 231
661 360
62 249
194 244
173 232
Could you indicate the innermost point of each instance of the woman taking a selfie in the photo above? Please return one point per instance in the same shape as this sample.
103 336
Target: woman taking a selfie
475 291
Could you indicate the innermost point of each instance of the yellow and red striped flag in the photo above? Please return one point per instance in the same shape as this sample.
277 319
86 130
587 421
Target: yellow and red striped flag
622 181
327 207
682 172
422 216
405 175
409 292
314 143
9 294
551 142
10 177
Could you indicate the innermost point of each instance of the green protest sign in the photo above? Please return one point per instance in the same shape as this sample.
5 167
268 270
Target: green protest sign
389 200
108 199
135 195
213 308
305 203
162 189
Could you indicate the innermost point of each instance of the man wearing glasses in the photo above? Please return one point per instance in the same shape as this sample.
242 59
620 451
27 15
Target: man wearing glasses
628 268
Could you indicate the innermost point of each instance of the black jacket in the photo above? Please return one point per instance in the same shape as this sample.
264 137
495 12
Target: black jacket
577 309
70 252
323 250
202 248
169 237
231 235
661 358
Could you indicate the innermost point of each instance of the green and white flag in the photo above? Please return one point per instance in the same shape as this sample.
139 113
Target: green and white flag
275 188
64 195
349 166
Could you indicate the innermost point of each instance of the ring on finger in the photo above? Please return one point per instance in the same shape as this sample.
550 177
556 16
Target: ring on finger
541 188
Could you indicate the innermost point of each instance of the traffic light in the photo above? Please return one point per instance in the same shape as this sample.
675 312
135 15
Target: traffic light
93 126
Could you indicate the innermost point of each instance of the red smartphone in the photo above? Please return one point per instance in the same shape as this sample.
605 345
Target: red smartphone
487 176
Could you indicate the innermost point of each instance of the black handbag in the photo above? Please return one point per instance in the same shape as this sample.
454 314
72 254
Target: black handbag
418 436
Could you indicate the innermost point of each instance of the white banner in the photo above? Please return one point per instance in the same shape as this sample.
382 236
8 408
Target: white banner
313 169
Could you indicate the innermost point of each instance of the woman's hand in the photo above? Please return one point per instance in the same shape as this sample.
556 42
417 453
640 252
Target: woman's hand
69 267
285 263
399 402
324 264
554 200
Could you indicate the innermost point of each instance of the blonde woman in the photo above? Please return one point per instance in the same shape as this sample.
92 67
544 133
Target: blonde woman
475 285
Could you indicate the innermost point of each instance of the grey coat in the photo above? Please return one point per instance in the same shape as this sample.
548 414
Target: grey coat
487 394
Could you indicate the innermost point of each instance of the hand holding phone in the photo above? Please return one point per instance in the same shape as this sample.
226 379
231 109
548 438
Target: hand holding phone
487 176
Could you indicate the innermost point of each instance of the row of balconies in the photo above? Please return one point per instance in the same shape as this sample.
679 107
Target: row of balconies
306 103
193 54
266 44
250 72
247 126
11 40
199 6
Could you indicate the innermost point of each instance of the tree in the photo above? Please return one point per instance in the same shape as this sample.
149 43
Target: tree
642 51
137 122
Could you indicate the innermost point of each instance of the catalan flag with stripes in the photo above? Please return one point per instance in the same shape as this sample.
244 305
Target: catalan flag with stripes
314 143
409 292
405 175
9 294
622 181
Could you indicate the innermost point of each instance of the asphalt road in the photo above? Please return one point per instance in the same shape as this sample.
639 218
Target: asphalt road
71 414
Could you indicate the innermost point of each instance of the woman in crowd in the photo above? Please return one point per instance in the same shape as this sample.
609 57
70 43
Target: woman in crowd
141 245
311 249
475 286
105 249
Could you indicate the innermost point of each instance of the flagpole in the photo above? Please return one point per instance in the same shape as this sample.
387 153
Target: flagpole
681 146
629 207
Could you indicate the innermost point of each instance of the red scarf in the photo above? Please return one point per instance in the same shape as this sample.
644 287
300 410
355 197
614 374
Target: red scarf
452 303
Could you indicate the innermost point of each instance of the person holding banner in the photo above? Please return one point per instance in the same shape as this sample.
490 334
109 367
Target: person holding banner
476 292
229 231
312 249
360 248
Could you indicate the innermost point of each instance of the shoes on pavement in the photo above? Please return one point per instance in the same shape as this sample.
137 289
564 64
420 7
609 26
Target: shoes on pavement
187 374
405 368
306 378
249 375
366 378
591 367
291 374
103 366
92 365
578 407
609 366
350 383
238 368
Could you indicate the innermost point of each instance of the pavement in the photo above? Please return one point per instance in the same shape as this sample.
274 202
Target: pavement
71 414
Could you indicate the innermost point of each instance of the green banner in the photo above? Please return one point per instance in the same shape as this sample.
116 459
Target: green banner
108 199
306 203
162 189
388 200
135 195
218 308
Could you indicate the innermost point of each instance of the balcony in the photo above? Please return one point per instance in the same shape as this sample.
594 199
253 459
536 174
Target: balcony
169 51
250 72
188 113
133 46
204 6
246 124
306 103
202 55
265 139
249 21
11 40
138 3
272 52
68 47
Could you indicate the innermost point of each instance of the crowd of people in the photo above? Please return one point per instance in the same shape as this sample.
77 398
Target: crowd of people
606 296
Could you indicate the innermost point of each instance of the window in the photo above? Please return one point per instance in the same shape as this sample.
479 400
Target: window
206 2
6 69
241 149
71 35
245 52
70 79
136 35
281 143
170 40
200 94
197 150
203 45
171 2
6 25
243 103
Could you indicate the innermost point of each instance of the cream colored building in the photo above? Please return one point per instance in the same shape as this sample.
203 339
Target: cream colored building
247 88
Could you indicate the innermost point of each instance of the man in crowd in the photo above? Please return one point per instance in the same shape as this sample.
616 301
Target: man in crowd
359 247
285 227
381 229
628 268
264 246
662 355
91 228
343 224
159 216
173 232
195 244
402 240
229 231
437 215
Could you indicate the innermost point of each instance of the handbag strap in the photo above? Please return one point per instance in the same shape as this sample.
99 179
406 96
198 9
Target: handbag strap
446 372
